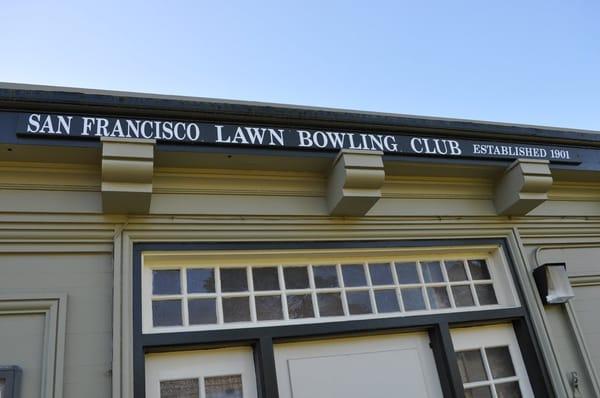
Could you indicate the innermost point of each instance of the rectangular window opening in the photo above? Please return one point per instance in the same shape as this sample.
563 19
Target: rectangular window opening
221 296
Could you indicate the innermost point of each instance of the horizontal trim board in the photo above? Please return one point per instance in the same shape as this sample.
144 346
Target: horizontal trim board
293 332
584 280
191 246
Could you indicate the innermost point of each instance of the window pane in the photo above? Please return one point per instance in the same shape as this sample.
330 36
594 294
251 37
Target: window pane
463 296
381 274
325 276
236 309
223 386
438 297
166 282
479 269
296 277
201 280
432 271
470 365
234 280
478 392
413 299
486 295
407 273
508 390
500 362
330 304
268 308
202 311
354 275
183 388
300 306
218 294
265 278
386 301
456 270
166 313
359 302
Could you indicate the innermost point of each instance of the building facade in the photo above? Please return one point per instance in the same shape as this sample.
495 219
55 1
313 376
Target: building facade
184 247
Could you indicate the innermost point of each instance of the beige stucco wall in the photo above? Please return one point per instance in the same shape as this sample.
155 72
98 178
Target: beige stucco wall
587 305
54 238
22 344
86 278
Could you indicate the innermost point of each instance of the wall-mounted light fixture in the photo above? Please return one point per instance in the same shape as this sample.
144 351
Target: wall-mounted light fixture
553 283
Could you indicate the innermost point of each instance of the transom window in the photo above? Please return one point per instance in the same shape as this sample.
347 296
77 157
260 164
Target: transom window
207 296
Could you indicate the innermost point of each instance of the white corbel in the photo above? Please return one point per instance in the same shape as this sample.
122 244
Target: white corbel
523 187
127 171
355 182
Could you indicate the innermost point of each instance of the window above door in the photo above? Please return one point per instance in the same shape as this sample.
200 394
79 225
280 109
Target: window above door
193 291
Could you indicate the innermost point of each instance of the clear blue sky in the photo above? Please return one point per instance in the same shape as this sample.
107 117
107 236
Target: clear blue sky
535 62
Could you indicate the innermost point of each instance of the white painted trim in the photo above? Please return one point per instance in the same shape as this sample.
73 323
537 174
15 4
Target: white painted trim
537 313
584 280
117 312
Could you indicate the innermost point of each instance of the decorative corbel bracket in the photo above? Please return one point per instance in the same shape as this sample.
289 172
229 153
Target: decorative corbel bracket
127 170
523 187
355 182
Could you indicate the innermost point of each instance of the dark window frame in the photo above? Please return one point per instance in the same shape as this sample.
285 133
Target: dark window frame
262 339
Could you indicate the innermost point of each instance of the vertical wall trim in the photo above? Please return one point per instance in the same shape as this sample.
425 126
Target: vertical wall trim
127 330
117 289
61 337
264 362
139 373
534 307
532 358
445 361
531 350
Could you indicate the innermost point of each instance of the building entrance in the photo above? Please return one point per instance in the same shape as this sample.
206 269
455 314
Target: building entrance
376 367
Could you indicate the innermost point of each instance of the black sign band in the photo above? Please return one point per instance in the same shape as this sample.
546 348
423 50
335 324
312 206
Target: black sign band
186 132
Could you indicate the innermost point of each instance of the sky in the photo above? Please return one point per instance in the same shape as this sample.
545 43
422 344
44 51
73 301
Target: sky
526 61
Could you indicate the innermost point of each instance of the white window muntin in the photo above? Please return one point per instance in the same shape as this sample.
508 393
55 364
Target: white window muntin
483 338
500 277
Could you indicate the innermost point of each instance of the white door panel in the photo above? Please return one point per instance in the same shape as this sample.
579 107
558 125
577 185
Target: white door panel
378 366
